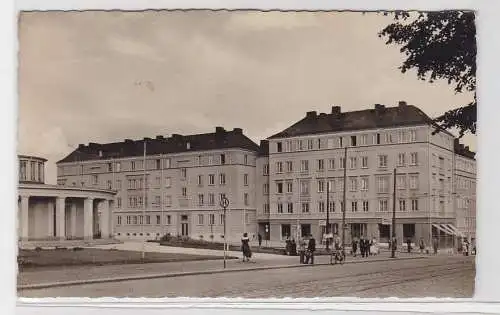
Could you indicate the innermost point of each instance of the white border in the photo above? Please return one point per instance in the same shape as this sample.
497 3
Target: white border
488 85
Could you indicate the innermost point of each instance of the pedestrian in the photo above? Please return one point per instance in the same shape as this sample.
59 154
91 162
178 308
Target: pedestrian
354 247
293 248
245 247
362 246
435 245
366 246
259 237
408 244
311 248
374 247
302 250
421 245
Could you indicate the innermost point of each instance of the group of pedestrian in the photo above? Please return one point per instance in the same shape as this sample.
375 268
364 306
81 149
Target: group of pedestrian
366 247
307 247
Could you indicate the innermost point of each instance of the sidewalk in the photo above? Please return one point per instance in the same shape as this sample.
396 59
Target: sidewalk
95 274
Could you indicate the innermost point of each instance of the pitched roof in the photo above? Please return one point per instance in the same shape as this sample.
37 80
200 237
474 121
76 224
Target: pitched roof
220 139
378 117
464 151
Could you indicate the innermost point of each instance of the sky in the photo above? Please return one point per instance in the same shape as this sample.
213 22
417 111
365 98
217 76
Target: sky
106 76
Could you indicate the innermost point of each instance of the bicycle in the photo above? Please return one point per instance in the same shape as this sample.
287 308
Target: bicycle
337 256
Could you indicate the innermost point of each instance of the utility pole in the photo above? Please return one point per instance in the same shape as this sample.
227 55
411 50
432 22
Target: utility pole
393 245
327 214
224 203
345 202
144 200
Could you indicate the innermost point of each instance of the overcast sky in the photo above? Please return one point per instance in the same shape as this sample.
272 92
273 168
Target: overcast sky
106 76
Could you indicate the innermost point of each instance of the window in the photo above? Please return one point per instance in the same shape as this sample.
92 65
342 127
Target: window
245 159
266 189
286 230
280 207
401 181
364 183
364 140
383 184
332 206
211 219
304 187
365 206
342 163
266 208
169 220
413 135
289 146
279 147
221 219
321 186
119 220
200 199
305 207
342 206
109 184
132 165
168 200
157 181
200 219
210 160
353 184
222 159
388 138
141 219
184 192
222 196
310 144
401 136
289 187
382 161
245 199
401 159
414 205
331 185
158 219
200 180
330 143
377 138
279 167
245 179
211 199
321 165
279 188
331 164
222 179
266 169
168 182
402 205
382 205
211 179
157 201
414 158
148 219
341 184
290 207
319 144
129 220
304 166
118 202
321 206
110 167
413 181
167 163
341 142
441 162
118 167
353 162
354 206
364 162
353 141
95 179
183 173
301 145
158 164
289 166
198 160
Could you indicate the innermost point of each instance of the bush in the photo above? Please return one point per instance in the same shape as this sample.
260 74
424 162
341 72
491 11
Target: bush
38 249
77 249
166 238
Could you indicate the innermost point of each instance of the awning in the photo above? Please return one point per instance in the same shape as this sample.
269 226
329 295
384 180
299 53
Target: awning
448 229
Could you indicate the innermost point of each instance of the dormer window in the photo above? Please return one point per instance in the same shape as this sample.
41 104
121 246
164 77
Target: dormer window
188 145
100 153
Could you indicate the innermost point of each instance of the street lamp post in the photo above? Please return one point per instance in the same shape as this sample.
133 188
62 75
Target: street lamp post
393 243
345 203
224 203
327 214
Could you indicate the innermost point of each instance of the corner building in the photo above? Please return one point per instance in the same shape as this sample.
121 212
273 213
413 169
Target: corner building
172 184
297 165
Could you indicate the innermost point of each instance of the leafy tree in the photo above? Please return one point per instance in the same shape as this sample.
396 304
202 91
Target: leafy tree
440 45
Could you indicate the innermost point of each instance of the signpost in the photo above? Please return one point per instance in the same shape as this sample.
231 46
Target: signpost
267 234
224 203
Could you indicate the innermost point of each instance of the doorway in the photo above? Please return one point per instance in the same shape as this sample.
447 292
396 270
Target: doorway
184 225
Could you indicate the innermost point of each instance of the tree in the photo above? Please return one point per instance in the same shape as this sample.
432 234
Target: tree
440 45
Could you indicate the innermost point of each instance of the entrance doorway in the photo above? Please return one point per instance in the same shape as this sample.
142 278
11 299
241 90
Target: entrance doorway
184 225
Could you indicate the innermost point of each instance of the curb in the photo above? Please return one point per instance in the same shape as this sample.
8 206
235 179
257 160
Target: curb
188 273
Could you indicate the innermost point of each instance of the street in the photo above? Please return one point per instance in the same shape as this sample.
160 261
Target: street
440 276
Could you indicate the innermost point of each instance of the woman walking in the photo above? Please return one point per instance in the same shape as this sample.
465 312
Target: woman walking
245 247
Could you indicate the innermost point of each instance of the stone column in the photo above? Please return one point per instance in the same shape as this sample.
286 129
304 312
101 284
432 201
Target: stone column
73 219
111 221
88 218
105 219
24 222
61 218
50 217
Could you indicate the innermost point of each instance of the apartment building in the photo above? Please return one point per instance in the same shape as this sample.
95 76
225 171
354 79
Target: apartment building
172 184
306 161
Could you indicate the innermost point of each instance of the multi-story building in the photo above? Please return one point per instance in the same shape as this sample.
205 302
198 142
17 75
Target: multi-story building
309 156
172 185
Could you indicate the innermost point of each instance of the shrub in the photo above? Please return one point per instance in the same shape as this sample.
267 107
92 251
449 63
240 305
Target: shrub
38 249
77 248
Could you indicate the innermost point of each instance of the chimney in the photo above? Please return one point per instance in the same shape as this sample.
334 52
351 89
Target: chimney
311 114
176 136
379 107
93 145
160 137
336 110
219 130
402 104
456 142
147 139
467 148
238 131
81 146
129 141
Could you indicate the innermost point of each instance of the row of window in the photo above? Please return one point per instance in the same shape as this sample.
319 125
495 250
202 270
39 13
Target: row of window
402 136
382 162
156 219
355 183
140 201
355 206
35 174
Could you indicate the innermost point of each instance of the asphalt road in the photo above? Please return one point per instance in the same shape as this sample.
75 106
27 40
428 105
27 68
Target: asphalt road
439 276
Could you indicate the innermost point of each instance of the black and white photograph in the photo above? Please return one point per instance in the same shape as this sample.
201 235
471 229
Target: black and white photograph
246 153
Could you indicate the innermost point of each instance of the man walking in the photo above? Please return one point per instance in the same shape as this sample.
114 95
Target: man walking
259 237
311 248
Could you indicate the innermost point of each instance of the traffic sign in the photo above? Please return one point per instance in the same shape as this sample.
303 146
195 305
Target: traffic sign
224 202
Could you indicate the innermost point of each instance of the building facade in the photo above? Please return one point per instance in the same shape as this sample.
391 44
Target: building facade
179 189
55 213
309 157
